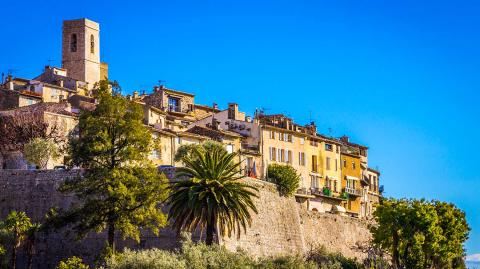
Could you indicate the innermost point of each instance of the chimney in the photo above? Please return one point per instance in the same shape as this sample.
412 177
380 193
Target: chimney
10 85
162 87
232 111
135 95
345 139
215 106
313 127
156 89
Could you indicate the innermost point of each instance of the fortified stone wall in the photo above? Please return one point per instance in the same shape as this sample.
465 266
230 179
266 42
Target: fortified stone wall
280 227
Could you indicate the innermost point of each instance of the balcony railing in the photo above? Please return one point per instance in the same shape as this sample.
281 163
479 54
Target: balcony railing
353 191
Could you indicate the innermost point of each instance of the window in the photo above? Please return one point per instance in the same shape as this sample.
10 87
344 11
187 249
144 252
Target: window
92 44
272 134
280 136
281 155
353 165
273 154
336 165
335 186
289 138
301 158
173 104
328 163
313 182
337 147
328 147
289 157
156 154
344 163
54 93
73 43
229 148
314 163
302 140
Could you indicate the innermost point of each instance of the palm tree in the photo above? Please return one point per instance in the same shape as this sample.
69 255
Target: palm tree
17 224
30 240
212 196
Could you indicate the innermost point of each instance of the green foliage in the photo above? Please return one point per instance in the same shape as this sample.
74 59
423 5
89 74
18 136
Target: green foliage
327 191
39 150
285 262
72 263
421 234
325 259
21 230
187 149
201 256
120 189
212 196
285 176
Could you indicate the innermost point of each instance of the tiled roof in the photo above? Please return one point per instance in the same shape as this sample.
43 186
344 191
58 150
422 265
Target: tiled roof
211 133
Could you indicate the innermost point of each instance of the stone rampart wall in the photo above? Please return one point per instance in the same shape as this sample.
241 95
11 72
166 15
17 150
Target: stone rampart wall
281 226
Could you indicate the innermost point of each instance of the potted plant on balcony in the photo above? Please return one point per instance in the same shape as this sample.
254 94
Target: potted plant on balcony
344 195
326 191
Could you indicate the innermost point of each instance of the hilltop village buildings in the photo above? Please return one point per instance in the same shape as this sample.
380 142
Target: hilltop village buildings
335 175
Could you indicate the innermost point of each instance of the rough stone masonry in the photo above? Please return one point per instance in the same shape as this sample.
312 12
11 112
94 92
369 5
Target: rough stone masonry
281 226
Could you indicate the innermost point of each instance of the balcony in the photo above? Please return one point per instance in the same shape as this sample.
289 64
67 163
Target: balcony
328 193
251 148
352 191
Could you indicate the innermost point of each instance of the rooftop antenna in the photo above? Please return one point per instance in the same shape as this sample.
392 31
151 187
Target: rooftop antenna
11 71
330 131
49 62
160 82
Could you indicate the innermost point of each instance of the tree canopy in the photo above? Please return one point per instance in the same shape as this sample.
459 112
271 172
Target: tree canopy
285 176
187 149
120 189
40 150
421 234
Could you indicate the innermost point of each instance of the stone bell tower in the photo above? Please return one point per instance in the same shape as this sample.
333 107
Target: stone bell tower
81 50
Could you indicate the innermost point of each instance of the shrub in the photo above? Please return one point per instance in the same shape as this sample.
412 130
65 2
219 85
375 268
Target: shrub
327 260
72 263
285 176
146 259
285 262
201 256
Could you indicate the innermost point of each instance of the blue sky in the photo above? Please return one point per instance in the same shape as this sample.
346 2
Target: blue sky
399 76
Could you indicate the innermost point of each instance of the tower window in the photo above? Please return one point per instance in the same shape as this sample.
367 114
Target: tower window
73 43
92 44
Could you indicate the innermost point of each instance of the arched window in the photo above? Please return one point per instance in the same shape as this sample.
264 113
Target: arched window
73 43
92 44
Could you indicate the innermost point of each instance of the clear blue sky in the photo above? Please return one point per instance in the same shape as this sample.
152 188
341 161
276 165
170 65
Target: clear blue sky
399 76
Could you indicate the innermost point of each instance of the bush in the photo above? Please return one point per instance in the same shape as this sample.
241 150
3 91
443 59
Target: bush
285 262
72 263
146 259
327 260
285 176
201 256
